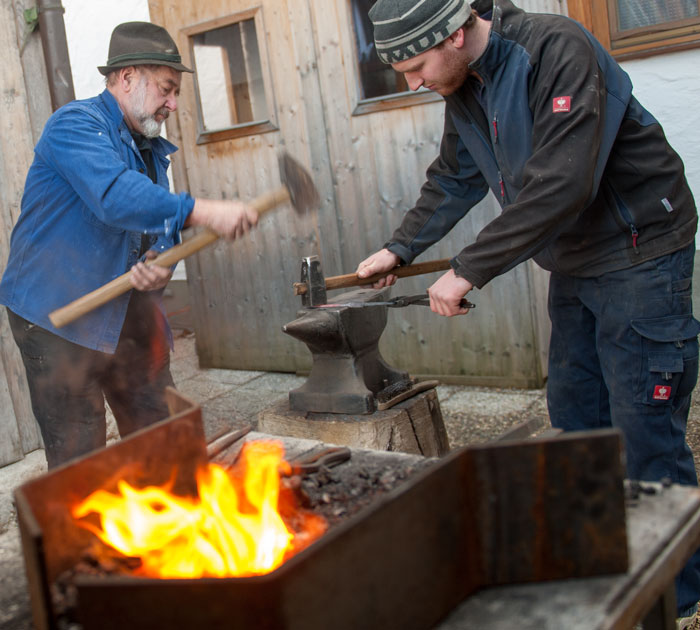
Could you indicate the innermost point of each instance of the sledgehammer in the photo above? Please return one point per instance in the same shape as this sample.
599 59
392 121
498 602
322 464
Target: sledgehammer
297 187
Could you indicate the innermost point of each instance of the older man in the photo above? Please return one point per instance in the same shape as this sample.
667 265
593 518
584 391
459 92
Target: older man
539 113
96 204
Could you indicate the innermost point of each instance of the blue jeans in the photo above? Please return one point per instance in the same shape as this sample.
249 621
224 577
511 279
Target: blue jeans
624 354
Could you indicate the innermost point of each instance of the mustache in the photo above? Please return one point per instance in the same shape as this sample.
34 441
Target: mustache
164 112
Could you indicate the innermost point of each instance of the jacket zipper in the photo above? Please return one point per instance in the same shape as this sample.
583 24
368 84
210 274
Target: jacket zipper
485 137
501 183
635 234
626 218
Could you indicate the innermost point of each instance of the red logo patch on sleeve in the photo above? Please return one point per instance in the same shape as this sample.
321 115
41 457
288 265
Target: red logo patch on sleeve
662 392
561 104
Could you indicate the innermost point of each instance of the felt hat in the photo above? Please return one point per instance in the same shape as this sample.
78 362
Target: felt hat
406 28
139 43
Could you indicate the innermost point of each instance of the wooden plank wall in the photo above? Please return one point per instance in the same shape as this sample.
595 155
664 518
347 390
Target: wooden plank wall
23 110
241 293
369 169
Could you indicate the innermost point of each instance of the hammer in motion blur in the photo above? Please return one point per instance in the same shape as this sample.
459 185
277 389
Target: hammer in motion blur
297 188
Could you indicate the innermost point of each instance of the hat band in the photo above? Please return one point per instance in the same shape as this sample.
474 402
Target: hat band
155 56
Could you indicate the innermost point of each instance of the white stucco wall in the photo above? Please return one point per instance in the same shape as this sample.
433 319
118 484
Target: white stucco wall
89 25
669 87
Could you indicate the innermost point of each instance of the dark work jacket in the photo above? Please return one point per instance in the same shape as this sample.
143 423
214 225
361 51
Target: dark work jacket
585 177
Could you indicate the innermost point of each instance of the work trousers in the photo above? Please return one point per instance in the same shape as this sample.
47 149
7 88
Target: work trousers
624 354
68 383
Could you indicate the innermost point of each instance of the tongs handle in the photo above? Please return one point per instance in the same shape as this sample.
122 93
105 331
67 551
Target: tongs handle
422 300
331 456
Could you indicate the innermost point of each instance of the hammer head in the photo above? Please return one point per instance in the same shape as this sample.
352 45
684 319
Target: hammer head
302 191
312 275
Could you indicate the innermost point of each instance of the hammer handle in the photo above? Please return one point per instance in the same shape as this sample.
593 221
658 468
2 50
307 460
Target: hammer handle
351 279
107 292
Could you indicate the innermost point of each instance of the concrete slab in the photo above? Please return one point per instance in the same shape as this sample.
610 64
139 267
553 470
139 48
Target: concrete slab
230 377
275 382
238 408
200 388
33 465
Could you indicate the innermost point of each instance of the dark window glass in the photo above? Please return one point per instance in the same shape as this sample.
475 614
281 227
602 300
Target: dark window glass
376 77
633 14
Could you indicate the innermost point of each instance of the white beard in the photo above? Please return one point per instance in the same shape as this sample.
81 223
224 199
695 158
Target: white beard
150 127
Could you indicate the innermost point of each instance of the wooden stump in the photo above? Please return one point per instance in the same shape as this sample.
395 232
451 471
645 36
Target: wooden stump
412 426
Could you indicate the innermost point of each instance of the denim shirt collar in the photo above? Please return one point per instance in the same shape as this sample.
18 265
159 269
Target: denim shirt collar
160 145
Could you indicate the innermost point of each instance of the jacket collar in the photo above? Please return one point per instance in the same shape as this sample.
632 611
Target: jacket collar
160 145
505 23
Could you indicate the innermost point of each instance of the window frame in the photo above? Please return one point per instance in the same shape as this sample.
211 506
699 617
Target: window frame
373 104
599 17
243 129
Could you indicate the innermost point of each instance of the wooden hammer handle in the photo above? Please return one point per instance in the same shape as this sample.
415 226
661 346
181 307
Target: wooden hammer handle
351 279
89 302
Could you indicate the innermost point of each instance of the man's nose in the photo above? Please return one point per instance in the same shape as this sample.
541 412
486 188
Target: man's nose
414 81
171 103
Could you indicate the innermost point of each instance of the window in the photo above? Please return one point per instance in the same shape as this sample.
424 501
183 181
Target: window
637 28
230 79
380 86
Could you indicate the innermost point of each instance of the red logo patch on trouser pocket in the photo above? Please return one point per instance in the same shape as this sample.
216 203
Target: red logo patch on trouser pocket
662 392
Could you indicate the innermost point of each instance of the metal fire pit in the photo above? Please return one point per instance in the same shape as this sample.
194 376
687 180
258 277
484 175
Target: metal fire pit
494 514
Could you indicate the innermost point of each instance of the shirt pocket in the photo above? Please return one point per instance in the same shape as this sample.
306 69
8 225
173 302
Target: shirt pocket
669 358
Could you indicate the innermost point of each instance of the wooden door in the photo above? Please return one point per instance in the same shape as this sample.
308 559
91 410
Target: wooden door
368 162
241 293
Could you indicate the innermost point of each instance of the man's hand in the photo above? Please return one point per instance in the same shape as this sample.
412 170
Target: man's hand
229 219
380 262
446 294
149 277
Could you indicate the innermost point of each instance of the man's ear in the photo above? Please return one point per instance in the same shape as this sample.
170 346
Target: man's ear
457 38
127 78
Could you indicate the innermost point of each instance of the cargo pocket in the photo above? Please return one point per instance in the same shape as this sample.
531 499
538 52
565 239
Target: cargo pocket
669 358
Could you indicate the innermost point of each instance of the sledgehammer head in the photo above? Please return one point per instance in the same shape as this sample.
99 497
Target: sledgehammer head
302 191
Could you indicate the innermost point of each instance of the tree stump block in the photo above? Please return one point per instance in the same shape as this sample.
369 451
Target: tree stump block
412 426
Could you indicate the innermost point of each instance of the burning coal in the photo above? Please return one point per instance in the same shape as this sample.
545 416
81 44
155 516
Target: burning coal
244 521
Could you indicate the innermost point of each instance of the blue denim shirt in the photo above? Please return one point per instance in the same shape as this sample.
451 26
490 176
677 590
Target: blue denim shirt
86 202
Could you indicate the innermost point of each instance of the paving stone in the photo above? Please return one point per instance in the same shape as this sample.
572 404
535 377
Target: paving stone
275 382
231 377
238 408
200 388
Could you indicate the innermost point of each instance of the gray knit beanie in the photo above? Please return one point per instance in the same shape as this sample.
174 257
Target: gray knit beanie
406 28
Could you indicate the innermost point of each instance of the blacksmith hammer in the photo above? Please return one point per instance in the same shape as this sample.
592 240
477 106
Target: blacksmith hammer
352 280
297 187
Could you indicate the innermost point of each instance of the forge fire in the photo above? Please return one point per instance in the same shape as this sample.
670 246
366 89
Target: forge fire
244 521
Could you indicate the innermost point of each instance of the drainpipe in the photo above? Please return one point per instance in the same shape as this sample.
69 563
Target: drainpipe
53 40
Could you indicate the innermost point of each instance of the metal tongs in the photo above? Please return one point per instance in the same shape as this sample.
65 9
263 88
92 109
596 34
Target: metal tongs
397 302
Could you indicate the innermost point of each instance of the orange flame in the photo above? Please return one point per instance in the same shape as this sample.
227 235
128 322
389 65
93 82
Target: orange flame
233 528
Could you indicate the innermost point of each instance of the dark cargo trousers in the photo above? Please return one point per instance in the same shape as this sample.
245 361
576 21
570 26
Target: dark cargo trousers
624 354
68 383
